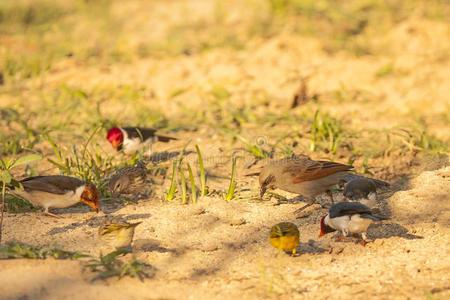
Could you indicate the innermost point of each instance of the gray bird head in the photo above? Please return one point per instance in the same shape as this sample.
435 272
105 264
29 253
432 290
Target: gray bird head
359 189
266 180
118 184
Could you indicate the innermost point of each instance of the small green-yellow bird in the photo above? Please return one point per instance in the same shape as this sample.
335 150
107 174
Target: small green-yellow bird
285 236
117 233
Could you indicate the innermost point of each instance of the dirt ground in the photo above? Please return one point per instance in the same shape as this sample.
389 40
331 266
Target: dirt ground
220 250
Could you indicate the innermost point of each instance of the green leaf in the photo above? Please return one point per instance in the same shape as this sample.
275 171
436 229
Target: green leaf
5 176
26 159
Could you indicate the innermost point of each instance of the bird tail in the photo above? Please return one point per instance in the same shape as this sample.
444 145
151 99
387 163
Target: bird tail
378 183
135 224
165 138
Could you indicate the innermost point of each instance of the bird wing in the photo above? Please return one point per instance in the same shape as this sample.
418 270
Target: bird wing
306 169
51 184
377 182
142 133
348 208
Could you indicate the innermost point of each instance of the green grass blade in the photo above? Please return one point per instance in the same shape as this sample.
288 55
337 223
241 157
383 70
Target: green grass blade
203 191
172 188
183 186
55 147
193 188
26 159
232 186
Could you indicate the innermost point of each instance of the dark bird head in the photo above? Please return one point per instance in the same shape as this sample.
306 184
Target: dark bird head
266 180
90 196
115 137
324 228
359 189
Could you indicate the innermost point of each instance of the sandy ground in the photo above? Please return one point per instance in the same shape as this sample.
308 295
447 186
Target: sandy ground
220 250
196 252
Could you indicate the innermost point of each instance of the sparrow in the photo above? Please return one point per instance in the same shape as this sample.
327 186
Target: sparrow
132 139
285 236
301 175
128 180
57 192
117 233
304 176
349 217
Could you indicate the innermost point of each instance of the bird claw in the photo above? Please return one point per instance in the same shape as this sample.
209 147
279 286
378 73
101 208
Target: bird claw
363 242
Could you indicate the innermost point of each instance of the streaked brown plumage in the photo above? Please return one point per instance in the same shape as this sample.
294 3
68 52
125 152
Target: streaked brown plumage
128 180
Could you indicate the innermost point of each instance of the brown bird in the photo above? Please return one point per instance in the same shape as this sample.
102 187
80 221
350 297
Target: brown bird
128 180
57 192
301 175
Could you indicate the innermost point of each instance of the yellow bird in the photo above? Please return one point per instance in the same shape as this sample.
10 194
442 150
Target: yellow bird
117 233
285 236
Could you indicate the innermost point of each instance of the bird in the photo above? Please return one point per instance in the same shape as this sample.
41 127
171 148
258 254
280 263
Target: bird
301 175
363 190
128 180
133 139
304 176
57 191
117 233
349 217
285 236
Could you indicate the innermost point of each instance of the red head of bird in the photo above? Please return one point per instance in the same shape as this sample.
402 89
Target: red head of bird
115 137
90 196
324 228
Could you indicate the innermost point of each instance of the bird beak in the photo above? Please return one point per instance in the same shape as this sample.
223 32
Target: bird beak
321 234
263 191
93 205
116 144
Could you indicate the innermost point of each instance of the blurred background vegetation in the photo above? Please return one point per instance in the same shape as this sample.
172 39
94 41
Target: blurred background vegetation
52 52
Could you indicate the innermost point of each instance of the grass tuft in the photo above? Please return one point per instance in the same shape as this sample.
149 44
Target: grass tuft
110 266
21 250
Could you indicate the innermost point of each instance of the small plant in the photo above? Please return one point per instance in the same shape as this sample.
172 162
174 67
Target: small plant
232 187
253 148
326 130
21 250
86 164
109 266
6 178
193 188
204 190
365 167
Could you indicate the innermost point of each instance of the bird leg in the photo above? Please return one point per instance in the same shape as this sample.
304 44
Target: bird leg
364 239
49 213
339 238
330 194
